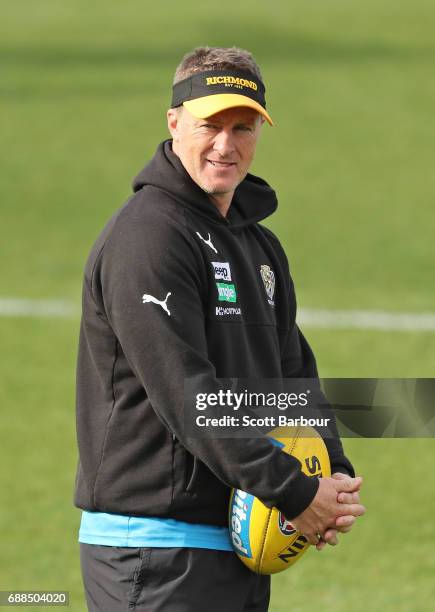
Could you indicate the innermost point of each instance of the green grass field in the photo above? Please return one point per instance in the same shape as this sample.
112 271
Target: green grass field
84 91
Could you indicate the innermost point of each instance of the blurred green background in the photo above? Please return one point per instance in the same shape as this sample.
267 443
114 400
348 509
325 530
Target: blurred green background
84 90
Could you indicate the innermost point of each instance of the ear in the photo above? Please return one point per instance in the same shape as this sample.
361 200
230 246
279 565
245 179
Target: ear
173 119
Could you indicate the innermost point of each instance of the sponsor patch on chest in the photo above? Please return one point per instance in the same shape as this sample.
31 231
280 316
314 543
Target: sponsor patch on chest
225 311
226 292
222 270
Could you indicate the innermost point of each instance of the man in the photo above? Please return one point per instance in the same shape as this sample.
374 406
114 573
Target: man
175 292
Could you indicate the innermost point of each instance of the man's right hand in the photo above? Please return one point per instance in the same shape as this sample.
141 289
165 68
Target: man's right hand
325 510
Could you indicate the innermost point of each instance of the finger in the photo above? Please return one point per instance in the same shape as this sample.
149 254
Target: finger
349 484
320 544
358 485
312 539
348 498
351 509
344 529
330 537
345 521
340 476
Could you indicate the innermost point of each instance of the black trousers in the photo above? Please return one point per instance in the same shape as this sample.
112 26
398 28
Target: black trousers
121 579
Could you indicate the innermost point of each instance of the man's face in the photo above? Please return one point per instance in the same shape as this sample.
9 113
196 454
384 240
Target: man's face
217 151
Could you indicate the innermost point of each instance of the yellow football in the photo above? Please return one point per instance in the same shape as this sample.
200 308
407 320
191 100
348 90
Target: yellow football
262 537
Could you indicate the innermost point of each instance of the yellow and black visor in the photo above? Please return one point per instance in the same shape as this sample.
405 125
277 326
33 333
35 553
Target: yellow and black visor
209 92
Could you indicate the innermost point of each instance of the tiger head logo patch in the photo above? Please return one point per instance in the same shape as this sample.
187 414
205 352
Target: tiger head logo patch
268 277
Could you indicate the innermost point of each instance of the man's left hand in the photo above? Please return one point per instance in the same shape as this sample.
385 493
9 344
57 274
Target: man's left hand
343 524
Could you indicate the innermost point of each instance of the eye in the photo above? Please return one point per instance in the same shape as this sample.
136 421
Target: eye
244 128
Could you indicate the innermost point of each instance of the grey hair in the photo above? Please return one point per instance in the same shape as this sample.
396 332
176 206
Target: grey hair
216 58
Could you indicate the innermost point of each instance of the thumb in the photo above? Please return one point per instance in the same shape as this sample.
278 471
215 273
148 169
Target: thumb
340 476
349 485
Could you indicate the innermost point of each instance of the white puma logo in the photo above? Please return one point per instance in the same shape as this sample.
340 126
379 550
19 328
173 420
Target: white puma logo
208 241
151 298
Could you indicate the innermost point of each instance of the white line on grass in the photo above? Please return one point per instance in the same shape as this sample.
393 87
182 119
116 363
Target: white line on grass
366 319
16 307
307 317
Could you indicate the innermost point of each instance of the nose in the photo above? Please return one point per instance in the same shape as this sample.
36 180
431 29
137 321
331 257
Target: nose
224 142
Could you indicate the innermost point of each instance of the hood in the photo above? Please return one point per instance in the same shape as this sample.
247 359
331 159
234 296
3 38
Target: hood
253 199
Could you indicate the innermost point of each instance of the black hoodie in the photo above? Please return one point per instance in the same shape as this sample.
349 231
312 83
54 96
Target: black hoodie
158 308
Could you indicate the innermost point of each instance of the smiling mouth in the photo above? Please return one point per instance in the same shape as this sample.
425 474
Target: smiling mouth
219 164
